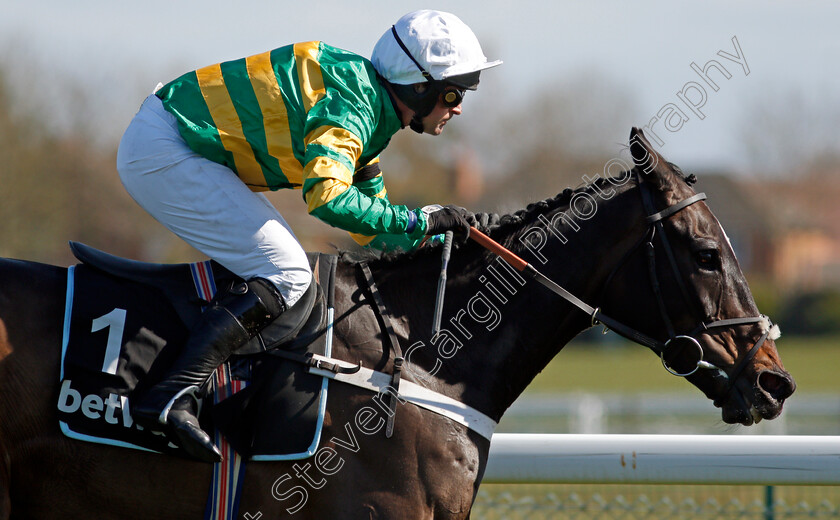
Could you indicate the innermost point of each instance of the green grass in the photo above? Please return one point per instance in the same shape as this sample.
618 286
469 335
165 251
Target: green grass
653 502
592 367
631 368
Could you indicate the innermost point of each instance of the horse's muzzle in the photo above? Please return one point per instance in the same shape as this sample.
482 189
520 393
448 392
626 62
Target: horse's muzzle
750 402
773 387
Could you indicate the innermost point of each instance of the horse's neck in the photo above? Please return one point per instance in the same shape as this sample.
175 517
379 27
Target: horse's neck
499 330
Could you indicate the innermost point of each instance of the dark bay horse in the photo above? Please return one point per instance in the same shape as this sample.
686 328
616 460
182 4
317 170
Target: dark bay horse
499 331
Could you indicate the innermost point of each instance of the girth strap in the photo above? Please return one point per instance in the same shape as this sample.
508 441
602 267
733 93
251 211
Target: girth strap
380 383
385 321
390 384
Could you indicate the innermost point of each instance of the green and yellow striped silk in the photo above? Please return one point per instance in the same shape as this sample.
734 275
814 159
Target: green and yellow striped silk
304 116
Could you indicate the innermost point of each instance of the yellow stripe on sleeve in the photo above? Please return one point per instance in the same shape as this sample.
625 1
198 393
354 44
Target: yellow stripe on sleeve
275 119
309 73
337 139
323 192
227 122
338 177
362 240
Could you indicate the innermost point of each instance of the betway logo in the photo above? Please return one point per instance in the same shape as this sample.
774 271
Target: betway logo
94 407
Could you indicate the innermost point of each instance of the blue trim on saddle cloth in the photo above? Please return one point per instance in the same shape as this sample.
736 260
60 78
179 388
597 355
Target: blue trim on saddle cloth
322 406
65 341
68 307
225 491
65 429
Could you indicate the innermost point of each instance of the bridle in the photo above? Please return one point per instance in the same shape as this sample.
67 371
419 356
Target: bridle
668 349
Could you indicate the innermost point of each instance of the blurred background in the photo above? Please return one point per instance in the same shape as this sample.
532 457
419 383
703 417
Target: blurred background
576 77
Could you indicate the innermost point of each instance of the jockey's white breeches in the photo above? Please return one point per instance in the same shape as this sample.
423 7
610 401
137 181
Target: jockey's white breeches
207 205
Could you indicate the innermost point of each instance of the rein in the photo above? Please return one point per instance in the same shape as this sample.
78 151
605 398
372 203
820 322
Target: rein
406 391
671 347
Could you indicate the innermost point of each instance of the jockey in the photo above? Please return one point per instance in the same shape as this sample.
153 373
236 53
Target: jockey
307 116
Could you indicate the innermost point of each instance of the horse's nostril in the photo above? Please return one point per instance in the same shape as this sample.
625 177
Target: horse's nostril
778 386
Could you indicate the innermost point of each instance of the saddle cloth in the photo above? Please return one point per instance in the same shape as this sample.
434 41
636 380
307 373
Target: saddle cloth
124 325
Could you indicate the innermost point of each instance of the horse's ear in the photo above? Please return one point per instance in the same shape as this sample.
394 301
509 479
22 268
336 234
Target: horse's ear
650 164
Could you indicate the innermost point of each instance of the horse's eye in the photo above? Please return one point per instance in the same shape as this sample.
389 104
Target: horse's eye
708 259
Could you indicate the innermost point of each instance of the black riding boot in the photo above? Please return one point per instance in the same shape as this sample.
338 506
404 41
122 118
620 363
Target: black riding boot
232 319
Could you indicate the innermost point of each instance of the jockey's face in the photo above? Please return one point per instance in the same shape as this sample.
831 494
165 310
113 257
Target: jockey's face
434 122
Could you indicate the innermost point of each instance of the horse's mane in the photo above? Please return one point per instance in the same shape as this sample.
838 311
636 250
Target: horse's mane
501 225
530 213
563 199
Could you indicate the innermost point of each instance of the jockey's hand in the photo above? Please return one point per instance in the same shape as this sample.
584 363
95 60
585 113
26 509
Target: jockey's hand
449 218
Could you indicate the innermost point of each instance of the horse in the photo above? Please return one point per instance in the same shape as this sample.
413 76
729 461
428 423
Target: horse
642 248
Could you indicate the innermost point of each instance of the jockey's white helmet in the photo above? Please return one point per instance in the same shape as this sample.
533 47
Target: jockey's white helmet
430 45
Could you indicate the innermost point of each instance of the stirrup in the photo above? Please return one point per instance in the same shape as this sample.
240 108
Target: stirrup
191 391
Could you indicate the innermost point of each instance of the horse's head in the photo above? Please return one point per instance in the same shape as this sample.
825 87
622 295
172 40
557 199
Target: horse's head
688 293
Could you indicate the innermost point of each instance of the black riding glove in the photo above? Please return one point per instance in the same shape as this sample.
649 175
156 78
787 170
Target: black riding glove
450 218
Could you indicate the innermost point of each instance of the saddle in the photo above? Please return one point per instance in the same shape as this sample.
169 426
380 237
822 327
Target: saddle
171 279
125 323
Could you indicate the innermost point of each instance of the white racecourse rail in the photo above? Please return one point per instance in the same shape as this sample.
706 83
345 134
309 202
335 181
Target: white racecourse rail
664 459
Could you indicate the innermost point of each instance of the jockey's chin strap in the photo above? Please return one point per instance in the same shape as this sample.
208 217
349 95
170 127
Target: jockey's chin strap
667 349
